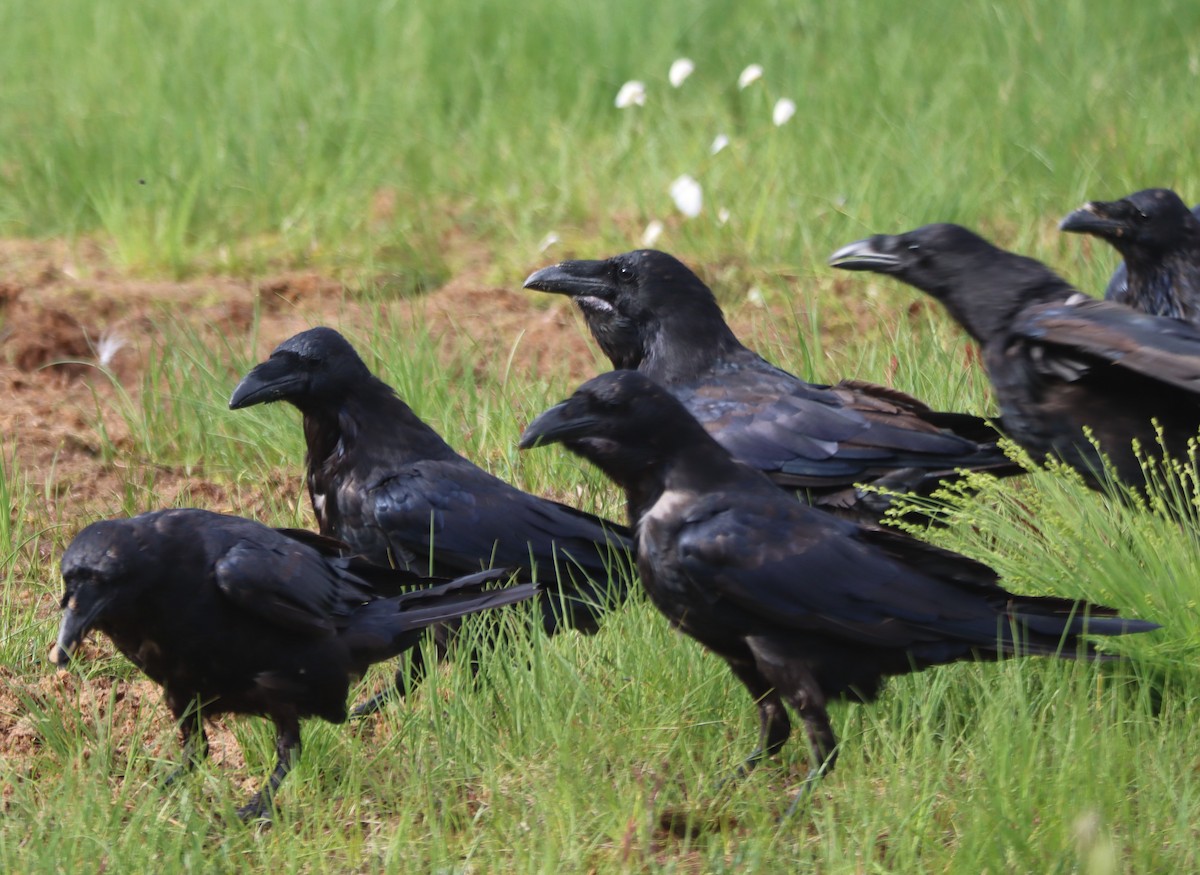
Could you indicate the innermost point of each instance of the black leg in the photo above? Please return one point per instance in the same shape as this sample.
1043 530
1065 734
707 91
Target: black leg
406 683
774 725
808 699
287 751
192 736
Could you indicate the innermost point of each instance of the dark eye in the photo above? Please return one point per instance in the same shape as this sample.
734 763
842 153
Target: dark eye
624 274
914 247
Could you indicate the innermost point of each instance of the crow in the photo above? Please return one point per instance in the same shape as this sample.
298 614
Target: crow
1061 364
386 483
231 616
649 312
1159 238
802 605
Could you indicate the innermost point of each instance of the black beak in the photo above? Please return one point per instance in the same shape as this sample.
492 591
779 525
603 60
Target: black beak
574 278
875 254
556 425
1092 218
77 619
273 380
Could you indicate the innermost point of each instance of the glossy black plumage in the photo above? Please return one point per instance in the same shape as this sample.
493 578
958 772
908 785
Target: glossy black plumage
386 483
231 616
1159 238
804 606
649 312
1059 362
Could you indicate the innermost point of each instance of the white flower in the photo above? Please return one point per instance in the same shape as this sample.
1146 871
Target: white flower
784 110
750 75
547 241
108 346
755 297
687 195
722 216
681 68
632 93
652 233
720 141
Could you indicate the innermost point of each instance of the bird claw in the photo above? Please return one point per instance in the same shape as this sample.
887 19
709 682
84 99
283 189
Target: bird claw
375 704
257 809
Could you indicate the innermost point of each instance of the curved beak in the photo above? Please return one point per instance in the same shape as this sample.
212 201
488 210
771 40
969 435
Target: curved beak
77 620
1092 218
574 278
874 253
272 380
554 426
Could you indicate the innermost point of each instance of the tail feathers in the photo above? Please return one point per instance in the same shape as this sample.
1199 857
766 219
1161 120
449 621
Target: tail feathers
387 627
392 582
451 601
1081 622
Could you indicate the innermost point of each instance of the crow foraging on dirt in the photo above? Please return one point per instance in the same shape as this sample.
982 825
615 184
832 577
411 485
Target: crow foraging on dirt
1159 238
386 483
231 616
649 312
1059 362
804 606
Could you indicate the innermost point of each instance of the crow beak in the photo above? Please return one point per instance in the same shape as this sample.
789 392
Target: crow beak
273 380
555 426
77 619
873 254
1092 218
579 279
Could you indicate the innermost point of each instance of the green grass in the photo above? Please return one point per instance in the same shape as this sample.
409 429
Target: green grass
394 143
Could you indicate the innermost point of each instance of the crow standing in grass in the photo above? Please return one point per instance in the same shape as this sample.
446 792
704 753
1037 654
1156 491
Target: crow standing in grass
649 312
1159 238
231 616
1059 362
804 606
386 483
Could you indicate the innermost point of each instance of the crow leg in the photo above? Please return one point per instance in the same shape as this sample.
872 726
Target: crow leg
809 700
774 725
192 736
287 751
408 681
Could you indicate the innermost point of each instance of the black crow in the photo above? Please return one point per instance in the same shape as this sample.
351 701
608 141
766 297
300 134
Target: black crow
649 312
386 483
804 606
1159 238
231 616
1059 362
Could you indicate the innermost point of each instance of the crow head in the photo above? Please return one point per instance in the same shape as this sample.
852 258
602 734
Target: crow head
310 370
622 421
104 572
645 308
1146 223
981 285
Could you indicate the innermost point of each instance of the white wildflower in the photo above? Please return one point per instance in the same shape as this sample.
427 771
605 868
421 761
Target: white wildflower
720 141
755 297
681 68
750 75
652 233
107 347
784 110
547 241
632 93
722 216
687 195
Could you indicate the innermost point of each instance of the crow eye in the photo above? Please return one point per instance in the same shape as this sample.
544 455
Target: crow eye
624 274
914 247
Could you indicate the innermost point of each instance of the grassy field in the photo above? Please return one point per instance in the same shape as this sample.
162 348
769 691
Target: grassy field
394 146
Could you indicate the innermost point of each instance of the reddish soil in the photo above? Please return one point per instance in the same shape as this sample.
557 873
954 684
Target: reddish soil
64 309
